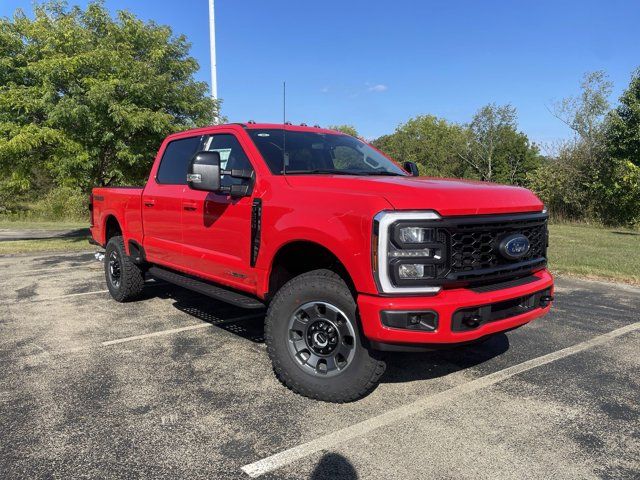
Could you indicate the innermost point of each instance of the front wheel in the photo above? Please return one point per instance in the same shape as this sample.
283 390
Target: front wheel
314 342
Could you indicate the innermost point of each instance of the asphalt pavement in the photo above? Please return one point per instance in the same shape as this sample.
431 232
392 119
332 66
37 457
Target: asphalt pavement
12 234
177 385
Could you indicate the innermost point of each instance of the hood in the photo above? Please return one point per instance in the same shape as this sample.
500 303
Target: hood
448 197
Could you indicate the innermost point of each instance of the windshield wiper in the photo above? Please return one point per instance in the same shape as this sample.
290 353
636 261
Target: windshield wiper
320 170
344 172
383 172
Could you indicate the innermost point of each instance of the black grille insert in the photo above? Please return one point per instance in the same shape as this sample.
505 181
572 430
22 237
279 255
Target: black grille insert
475 246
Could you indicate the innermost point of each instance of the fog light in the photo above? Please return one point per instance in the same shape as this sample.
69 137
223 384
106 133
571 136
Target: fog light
426 320
411 270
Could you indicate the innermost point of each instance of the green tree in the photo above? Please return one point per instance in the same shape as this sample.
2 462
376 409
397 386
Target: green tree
348 129
585 113
573 183
431 142
560 182
623 144
623 132
85 99
597 174
496 150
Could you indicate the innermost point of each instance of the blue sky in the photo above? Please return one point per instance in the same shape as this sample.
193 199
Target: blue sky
374 64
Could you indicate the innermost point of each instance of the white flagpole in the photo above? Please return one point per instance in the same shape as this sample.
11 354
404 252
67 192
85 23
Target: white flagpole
212 40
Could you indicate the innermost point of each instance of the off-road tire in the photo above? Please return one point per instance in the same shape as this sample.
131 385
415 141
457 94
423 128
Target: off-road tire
364 370
131 276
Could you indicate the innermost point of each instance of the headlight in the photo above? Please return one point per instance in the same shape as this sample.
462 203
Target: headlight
406 253
415 234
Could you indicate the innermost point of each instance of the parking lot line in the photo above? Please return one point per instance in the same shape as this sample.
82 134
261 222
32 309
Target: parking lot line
54 269
340 437
56 297
156 334
177 330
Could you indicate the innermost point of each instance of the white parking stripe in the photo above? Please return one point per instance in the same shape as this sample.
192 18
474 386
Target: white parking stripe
176 330
156 334
341 437
53 269
56 297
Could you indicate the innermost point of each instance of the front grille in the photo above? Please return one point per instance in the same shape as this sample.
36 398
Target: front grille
476 246
473 246
471 256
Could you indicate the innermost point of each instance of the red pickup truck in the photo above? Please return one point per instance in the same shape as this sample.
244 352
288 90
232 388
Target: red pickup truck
351 254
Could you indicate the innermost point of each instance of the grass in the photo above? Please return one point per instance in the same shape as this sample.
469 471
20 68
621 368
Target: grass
42 224
595 252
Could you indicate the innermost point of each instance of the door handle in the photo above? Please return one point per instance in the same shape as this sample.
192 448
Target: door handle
149 203
190 206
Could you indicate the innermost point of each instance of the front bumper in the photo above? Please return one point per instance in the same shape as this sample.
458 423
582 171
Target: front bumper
445 304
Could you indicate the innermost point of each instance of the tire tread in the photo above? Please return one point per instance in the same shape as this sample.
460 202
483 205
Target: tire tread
320 279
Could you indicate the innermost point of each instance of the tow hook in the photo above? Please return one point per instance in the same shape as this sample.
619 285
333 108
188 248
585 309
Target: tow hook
545 300
473 321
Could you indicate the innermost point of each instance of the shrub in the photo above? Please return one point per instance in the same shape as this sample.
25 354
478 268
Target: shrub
61 203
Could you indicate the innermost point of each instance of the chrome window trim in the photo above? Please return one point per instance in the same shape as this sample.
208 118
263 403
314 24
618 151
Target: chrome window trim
384 220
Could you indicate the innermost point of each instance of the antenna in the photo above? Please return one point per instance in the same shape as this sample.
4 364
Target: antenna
284 129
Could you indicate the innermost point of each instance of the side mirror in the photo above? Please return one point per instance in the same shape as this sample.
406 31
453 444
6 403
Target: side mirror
204 172
412 168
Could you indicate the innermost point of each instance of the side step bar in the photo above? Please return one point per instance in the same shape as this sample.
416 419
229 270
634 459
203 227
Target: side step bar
206 288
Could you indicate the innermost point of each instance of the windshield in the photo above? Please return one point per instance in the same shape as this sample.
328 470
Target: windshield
315 153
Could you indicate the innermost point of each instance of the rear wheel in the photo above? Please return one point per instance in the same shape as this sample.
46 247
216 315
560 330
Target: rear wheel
125 279
314 342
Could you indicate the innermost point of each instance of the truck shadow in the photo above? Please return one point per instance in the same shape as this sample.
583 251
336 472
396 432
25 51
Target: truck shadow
247 324
401 367
407 367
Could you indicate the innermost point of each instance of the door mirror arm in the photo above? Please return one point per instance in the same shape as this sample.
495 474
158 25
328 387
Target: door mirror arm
411 168
238 173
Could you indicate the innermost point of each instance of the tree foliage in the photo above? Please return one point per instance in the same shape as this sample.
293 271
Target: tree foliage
623 146
497 150
348 129
597 174
431 142
585 113
85 99
623 133
488 148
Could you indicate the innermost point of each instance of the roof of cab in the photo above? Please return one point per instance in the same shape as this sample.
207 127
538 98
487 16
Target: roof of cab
256 126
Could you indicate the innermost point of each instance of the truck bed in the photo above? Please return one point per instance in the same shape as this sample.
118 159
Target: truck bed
124 203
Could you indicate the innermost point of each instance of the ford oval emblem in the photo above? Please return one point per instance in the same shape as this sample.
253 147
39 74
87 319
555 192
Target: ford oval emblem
514 246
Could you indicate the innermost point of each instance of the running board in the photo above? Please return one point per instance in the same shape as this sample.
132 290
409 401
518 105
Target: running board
206 288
